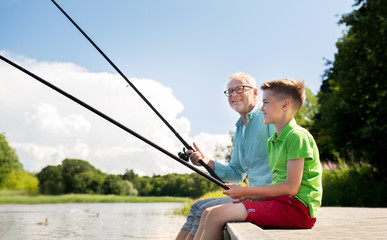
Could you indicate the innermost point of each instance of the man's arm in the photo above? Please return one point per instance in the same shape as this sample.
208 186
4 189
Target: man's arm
231 173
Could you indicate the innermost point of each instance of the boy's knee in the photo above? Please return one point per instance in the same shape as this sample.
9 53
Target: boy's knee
216 212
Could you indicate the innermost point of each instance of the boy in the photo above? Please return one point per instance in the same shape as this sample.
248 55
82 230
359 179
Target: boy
294 198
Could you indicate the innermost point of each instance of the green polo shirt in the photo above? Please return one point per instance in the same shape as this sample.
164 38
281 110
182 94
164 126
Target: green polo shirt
296 142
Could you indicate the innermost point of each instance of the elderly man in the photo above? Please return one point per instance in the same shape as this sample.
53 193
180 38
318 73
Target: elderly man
249 155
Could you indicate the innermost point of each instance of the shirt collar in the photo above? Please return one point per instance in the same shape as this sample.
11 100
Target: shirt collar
250 115
291 124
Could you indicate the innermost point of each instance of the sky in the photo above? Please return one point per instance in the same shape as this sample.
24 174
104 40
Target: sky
179 55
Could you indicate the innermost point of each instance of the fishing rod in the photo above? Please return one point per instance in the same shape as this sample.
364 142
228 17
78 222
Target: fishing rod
183 155
214 180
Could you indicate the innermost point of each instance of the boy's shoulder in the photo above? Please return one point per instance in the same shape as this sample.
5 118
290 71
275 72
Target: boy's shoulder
296 131
294 127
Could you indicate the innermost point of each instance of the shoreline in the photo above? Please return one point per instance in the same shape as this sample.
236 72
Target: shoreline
19 198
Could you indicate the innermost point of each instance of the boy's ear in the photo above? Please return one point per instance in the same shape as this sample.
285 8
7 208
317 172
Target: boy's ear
286 104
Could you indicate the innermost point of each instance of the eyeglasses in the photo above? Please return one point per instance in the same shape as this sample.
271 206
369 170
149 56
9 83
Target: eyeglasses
239 90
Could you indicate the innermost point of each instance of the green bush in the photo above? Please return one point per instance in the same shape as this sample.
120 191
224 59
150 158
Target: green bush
21 180
358 185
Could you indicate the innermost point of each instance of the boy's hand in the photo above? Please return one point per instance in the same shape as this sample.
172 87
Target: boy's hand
235 191
241 193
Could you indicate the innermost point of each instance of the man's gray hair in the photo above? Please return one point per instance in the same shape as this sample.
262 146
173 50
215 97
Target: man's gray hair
250 80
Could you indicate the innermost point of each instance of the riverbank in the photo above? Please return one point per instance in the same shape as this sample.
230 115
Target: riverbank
8 197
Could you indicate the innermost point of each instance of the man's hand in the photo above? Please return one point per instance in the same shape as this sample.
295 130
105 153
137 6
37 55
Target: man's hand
198 155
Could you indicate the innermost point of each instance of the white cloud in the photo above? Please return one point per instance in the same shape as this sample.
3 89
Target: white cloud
208 143
45 127
48 119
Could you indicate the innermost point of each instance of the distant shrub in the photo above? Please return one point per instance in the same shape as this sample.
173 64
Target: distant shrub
21 180
357 185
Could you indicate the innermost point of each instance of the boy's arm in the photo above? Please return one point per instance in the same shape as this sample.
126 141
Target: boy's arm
290 186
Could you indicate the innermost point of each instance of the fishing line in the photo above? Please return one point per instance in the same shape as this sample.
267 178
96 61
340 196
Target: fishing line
214 180
182 155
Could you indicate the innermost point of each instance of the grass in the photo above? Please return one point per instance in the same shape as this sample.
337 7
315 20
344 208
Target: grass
188 203
13 197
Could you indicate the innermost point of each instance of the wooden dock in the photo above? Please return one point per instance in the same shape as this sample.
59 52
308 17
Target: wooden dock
332 223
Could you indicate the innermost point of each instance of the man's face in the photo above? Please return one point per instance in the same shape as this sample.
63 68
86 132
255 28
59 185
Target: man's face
244 102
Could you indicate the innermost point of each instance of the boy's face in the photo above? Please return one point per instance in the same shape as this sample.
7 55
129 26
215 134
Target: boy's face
271 107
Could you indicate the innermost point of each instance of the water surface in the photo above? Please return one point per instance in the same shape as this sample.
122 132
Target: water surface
99 221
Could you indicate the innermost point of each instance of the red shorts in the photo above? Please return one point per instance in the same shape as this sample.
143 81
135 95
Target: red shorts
279 212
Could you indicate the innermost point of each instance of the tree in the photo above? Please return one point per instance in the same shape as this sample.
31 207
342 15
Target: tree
113 184
9 161
353 115
129 175
129 189
19 179
88 182
51 180
224 152
73 167
12 175
305 116
143 185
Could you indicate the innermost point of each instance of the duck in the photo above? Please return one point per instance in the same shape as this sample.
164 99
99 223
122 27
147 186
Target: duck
96 215
43 223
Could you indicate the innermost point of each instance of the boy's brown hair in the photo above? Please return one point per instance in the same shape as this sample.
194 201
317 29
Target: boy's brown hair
287 88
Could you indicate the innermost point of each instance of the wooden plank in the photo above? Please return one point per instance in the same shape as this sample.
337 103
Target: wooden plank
246 231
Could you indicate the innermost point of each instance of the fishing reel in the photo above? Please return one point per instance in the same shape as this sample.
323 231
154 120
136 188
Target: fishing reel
183 155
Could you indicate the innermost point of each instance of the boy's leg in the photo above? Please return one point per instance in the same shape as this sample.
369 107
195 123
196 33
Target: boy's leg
279 212
200 211
199 231
211 226
182 235
188 225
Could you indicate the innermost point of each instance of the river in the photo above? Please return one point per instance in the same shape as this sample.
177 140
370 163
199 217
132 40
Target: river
97 221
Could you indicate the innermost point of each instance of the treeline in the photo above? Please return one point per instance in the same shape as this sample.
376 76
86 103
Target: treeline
79 176
177 185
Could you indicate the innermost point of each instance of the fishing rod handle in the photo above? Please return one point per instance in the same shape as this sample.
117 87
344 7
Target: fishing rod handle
183 155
